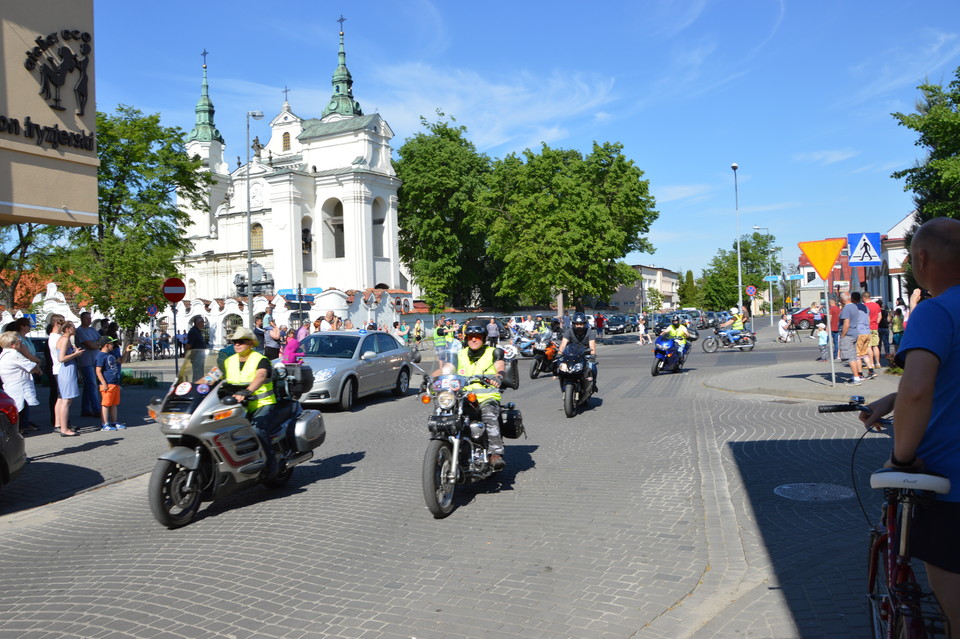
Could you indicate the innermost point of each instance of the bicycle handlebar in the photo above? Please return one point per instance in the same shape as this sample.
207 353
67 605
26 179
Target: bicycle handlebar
840 408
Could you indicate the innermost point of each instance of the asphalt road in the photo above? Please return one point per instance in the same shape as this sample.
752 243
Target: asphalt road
654 513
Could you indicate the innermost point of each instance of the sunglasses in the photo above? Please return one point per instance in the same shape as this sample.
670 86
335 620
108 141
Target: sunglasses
238 341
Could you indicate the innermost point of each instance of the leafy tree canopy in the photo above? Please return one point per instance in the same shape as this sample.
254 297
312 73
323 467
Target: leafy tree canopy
121 262
719 288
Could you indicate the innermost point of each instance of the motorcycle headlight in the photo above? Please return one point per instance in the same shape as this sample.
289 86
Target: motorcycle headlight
324 374
577 367
446 400
173 421
563 367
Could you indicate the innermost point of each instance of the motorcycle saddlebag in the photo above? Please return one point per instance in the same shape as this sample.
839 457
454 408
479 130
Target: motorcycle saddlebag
511 424
511 375
309 431
299 379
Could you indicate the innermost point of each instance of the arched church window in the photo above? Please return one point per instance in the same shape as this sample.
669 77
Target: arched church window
379 228
286 141
334 245
256 237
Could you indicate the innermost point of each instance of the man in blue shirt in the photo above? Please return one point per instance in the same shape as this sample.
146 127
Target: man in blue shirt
927 405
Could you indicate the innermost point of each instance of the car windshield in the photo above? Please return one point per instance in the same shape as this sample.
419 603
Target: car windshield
615 318
329 344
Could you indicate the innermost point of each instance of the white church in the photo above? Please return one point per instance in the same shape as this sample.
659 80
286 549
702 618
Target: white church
323 207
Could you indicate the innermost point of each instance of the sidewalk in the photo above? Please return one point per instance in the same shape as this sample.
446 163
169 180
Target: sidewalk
799 380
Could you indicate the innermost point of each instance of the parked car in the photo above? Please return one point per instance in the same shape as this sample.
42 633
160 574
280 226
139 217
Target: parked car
803 318
698 317
348 365
712 318
659 321
633 322
13 454
615 324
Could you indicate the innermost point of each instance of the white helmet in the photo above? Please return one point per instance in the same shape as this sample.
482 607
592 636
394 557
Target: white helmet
733 310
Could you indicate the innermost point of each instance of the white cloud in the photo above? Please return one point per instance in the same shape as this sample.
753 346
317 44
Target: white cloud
681 192
826 157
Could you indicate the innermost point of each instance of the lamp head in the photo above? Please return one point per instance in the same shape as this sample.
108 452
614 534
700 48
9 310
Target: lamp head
734 166
256 115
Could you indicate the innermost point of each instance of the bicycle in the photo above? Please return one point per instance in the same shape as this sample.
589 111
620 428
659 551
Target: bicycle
899 606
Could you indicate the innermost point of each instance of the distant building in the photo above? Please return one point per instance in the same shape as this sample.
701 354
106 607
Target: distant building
632 299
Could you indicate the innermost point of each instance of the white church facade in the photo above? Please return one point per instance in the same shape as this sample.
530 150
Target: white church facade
322 199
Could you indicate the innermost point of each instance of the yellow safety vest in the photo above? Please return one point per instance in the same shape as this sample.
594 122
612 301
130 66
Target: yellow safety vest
483 366
263 396
737 322
679 333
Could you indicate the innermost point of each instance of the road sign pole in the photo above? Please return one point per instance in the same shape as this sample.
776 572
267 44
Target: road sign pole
175 367
831 345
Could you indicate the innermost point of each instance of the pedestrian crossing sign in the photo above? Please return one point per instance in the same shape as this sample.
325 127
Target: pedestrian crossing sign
864 249
823 254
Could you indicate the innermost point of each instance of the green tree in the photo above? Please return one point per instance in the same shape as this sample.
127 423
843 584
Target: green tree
719 290
688 292
654 300
440 243
26 247
120 263
561 221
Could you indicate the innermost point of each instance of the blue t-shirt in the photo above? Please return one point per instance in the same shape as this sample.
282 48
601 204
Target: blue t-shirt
110 367
863 319
935 327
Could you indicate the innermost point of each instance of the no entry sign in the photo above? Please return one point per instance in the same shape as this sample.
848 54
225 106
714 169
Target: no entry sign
174 290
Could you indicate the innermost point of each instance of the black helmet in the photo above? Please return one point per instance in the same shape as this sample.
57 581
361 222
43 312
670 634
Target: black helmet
579 324
579 318
475 328
676 320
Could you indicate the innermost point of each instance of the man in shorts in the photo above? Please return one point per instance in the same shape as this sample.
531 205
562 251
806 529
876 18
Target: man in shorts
108 374
874 309
849 331
926 405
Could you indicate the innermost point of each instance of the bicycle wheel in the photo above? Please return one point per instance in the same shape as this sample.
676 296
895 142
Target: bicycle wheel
878 595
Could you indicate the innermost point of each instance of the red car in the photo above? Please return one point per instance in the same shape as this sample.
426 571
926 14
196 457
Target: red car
13 454
803 319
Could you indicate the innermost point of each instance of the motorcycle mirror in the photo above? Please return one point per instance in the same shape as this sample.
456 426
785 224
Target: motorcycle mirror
230 400
416 357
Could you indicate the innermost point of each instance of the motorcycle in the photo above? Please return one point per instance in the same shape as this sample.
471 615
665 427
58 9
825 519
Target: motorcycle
544 354
576 380
458 450
524 344
214 450
745 341
668 356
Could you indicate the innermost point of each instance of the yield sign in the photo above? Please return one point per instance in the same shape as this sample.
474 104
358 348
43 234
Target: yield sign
823 254
174 289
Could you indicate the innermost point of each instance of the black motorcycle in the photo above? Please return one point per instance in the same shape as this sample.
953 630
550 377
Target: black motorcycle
576 379
458 449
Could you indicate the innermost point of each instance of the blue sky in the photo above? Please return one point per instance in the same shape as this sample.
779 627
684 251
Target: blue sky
798 93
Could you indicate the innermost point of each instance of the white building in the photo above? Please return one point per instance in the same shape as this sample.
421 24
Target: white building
322 204
632 299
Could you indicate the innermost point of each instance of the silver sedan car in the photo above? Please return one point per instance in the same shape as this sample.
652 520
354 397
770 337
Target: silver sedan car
348 365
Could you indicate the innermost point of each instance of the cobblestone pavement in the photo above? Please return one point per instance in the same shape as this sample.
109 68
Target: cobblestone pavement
651 514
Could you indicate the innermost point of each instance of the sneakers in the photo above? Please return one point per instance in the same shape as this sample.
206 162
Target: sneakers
856 381
120 426
870 375
497 462
108 426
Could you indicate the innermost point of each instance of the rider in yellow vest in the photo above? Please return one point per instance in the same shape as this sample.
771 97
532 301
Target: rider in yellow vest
679 333
247 367
480 359
735 323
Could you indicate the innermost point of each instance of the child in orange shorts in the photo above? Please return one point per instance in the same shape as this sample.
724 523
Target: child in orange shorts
108 374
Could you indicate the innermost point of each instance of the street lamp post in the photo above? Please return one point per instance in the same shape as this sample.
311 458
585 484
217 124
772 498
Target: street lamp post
256 115
736 201
769 267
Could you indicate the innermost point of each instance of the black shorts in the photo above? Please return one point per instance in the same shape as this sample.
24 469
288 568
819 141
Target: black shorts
931 534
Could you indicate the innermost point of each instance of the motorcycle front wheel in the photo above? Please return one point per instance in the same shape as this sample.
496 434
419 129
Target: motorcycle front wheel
657 365
568 405
535 368
437 487
710 345
172 503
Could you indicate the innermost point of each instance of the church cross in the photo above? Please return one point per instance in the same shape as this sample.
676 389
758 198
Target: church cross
204 53
286 94
341 21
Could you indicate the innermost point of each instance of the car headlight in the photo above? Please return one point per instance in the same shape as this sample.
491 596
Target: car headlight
173 421
324 374
446 400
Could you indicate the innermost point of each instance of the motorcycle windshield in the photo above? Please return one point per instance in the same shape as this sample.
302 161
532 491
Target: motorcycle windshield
575 351
200 364
447 356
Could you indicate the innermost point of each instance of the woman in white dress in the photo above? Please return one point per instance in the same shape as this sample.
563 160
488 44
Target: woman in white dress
67 377
16 372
